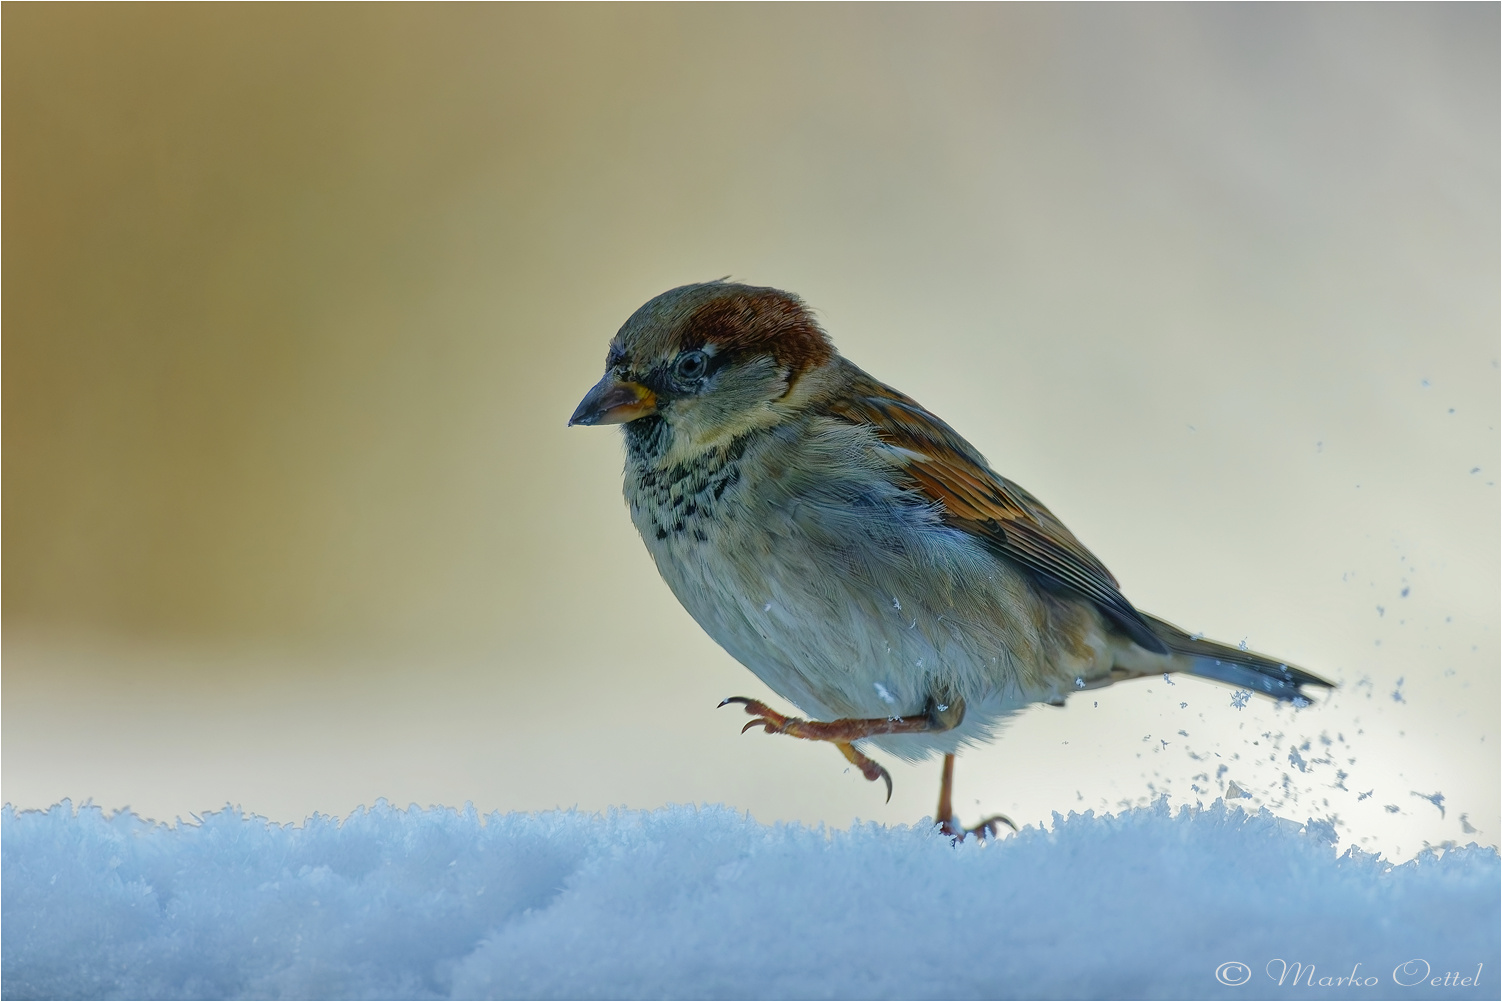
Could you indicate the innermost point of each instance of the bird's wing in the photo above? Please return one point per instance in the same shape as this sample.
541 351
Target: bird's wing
1011 522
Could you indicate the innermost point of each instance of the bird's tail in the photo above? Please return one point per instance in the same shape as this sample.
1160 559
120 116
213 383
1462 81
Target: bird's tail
1233 666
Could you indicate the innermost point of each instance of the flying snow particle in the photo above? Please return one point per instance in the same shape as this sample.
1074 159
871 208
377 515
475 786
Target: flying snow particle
1437 799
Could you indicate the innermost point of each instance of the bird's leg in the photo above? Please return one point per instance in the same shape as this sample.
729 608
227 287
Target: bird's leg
936 717
949 824
945 813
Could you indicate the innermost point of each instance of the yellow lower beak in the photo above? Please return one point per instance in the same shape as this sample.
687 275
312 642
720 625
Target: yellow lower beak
613 401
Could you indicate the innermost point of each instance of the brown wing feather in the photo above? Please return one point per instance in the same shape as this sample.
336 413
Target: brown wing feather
976 500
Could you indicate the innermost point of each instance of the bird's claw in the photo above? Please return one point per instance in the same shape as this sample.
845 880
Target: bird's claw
987 829
774 722
872 770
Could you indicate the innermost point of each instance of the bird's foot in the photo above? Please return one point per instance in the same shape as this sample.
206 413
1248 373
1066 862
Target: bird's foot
987 829
844 729
949 824
839 733
774 722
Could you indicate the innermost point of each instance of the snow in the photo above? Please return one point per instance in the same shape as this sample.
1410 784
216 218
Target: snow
704 902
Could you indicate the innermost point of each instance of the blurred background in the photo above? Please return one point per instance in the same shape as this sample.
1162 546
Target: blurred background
297 300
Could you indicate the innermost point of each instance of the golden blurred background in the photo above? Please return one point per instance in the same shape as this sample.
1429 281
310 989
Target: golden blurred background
297 300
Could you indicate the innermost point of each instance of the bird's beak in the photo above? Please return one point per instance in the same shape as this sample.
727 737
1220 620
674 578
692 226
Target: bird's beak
614 402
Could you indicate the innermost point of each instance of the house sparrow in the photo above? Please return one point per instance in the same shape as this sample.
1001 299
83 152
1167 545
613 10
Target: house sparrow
853 551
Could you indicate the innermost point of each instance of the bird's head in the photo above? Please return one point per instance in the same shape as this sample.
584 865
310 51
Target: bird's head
706 363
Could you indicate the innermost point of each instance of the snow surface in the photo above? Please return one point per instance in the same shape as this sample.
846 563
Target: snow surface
684 902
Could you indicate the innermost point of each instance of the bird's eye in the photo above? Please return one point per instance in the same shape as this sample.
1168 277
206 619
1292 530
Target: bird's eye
690 366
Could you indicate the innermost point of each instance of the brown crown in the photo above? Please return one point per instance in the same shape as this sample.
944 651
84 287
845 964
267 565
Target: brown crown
747 319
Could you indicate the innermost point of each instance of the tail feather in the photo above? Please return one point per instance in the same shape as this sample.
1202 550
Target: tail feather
1233 666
